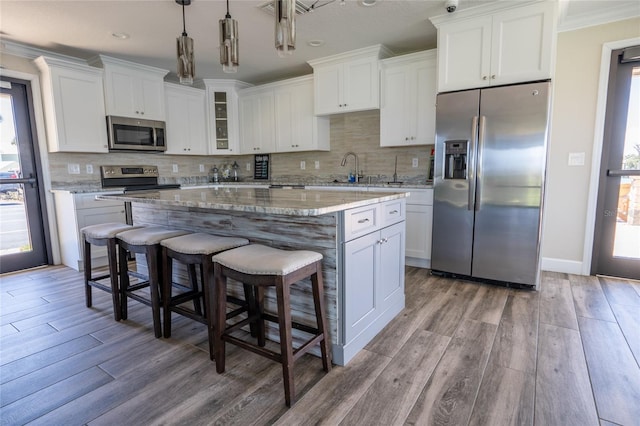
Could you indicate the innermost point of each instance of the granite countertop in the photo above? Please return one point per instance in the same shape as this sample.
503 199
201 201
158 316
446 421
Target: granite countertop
292 202
95 187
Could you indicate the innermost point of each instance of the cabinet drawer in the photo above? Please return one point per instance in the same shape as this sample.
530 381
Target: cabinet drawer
422 197
360 221
88 201
392 212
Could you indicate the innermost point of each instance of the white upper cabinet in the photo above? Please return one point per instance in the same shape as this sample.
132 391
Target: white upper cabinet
73 105
222 115
408 99
496 45
348 82
279 117
257 126
132 90
186 121
297 127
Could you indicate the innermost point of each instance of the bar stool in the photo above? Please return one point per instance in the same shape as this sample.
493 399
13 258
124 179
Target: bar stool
261 266
103 235
192 249
145 241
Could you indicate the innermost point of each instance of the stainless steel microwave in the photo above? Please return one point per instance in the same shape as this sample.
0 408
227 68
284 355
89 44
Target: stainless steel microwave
134 134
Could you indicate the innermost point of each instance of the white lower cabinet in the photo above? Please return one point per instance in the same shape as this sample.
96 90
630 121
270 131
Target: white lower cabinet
74 212
373 272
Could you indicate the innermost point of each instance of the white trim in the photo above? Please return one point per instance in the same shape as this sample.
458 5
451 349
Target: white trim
28 52
44 156
562 265
601 109
615 13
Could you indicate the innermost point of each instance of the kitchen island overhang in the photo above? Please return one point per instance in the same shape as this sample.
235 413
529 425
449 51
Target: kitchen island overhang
359 233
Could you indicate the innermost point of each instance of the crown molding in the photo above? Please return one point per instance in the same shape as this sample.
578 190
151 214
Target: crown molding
600 17
29 52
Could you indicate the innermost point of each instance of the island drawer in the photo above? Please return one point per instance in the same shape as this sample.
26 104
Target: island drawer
361 221
392 212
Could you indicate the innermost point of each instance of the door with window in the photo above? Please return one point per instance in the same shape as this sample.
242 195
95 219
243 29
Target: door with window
617 239
23 240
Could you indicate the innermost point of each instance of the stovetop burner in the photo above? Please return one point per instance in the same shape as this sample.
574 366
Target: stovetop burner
133 178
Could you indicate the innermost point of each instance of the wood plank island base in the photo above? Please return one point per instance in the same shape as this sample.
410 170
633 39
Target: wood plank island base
360 234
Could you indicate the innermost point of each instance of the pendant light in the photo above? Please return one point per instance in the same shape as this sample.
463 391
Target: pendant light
229 43
186 64
285 11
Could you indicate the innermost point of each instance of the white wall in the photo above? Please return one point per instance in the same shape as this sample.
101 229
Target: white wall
573 127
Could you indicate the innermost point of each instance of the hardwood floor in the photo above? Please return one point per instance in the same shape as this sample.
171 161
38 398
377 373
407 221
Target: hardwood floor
459 354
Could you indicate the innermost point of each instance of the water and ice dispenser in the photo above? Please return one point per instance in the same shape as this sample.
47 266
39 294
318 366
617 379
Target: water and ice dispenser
455 159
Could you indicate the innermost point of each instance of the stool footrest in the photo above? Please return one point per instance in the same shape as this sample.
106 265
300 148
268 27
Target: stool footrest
189 314
274 356
184 297
139 298
296 325
100 277
101 286
137 286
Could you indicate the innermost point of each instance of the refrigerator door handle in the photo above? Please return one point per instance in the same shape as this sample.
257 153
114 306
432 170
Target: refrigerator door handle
471 163
483 122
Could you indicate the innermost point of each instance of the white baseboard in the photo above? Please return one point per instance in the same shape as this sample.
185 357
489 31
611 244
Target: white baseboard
562 265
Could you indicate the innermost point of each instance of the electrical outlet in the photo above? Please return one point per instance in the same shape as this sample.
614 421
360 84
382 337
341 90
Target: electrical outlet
201 168
414 163
89 169
73 169
317 165
303 165
175 168
248 167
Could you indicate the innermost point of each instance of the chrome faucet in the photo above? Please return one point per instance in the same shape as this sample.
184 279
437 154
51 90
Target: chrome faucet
344 162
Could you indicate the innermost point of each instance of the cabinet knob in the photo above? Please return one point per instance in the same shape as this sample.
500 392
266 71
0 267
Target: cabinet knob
484 77
493 77
137 112
406 139
413 137
142 112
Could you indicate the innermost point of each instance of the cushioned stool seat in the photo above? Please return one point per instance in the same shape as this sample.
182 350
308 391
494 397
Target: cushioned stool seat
261 266
102 235
192 249
145 241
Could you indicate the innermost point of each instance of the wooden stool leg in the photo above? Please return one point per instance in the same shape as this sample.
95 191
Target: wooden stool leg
284 317
87 273
113 277
124 280
321 320
193 281
260 306
252 310
207 279
153 253
167 274
218 315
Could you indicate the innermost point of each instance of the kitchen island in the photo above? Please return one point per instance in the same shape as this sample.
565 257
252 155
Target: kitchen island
361 235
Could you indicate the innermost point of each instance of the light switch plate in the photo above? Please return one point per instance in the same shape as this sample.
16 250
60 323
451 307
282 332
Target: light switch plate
576 158
248 167
414 163
73 169
317 165
303 165
175 168
89 169
201 167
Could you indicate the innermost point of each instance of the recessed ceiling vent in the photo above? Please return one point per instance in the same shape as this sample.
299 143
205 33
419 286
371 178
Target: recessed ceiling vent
301 7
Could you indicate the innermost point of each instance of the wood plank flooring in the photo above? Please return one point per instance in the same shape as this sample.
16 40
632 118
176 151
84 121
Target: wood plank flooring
459 354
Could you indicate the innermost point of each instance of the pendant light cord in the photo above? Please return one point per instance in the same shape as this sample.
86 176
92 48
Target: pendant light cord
184 25
228 15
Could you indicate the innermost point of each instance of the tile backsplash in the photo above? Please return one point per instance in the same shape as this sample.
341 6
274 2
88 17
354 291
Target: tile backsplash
358 132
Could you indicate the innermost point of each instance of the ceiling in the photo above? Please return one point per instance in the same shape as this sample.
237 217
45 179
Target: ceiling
82 28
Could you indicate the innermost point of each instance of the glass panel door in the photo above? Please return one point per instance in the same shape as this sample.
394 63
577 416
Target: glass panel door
22 231
617 242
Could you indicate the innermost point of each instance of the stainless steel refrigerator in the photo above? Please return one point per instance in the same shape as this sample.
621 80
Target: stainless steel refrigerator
491 149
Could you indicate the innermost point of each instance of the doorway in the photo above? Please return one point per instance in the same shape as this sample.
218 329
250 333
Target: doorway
24 240
616 249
